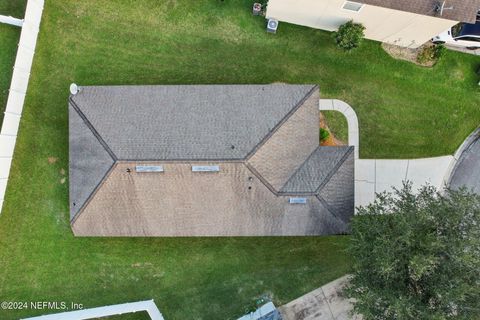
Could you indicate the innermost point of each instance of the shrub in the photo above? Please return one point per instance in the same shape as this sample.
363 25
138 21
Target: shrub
324 134
430 53
417 256
349 35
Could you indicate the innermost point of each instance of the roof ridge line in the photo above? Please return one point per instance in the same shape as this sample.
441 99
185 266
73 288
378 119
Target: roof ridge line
324 203
334 169
272 189
93 193
300 167
261 178
92 129
225 160
281 123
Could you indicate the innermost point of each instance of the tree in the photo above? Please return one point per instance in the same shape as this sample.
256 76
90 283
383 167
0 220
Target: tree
417 256
349 35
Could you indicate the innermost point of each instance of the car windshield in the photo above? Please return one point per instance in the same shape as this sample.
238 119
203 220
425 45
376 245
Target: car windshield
466 29
456 30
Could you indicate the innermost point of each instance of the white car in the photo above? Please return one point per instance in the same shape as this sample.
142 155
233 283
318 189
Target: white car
466 35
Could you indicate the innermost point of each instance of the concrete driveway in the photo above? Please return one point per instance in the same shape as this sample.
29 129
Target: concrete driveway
467 169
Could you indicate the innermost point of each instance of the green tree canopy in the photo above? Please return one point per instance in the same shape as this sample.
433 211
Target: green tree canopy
417 255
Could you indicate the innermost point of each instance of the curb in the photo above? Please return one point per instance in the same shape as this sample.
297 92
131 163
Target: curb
474 136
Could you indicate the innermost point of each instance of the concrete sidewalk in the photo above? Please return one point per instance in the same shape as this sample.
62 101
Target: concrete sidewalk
324 303
377 175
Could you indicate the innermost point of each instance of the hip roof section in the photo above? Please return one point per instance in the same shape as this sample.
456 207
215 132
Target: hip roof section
187 122
316 170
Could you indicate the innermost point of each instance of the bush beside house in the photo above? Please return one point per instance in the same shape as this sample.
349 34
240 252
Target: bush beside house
349 35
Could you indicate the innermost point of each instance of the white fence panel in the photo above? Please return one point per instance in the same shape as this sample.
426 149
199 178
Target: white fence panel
7 145
11 20
10 125
5 164
18 89
15 102
3 186
106 311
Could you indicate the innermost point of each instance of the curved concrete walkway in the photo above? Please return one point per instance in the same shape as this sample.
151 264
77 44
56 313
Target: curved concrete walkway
374 176
466 165
350 115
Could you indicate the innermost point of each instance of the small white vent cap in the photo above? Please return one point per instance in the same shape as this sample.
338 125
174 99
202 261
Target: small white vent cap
74 89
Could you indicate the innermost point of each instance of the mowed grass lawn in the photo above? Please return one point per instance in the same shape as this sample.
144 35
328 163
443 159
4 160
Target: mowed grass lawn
404 110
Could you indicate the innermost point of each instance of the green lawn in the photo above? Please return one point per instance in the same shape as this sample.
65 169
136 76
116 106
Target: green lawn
404 111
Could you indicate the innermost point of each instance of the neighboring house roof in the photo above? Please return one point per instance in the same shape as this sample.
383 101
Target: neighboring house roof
462 10
115 128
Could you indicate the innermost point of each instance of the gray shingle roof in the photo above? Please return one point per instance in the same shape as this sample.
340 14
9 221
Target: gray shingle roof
187 121
319 167
339 192
199 122
462 10
89 162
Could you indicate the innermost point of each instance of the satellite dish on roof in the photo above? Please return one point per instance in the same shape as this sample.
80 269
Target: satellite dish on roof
74 89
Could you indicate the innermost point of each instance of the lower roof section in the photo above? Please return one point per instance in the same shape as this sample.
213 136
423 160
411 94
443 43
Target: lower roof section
316 170
181 202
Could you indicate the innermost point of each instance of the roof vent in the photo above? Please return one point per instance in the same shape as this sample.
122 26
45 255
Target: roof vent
205 168
149 168
297 200
74 89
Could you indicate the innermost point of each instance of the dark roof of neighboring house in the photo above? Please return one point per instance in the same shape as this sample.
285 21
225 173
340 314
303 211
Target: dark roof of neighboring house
462 10
186 122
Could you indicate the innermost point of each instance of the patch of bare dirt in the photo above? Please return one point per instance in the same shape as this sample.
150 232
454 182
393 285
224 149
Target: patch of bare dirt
408 54
331 141
52 160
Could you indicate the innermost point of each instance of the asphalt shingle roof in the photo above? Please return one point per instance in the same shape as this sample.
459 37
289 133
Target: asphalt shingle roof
89 162
339 191
198 122
319 166
184 122
461 10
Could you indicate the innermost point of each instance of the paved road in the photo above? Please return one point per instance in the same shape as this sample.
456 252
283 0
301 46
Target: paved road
474 52
467 170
